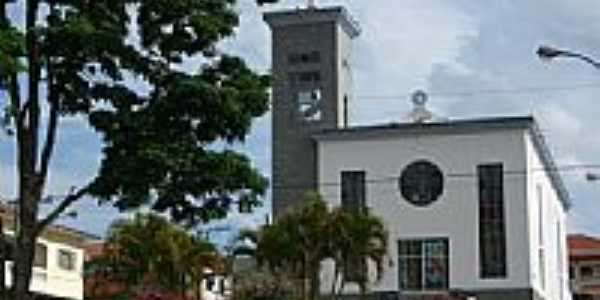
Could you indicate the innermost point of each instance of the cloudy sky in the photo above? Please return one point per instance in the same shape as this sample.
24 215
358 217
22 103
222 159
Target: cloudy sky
474 58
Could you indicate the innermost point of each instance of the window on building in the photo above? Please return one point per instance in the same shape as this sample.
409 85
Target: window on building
353 191
40 258
221 286
353 199
596 271
309 105
421 183
492 235
302 78
541 250
309 77
210 283
586 272
345 111
542 267
304 57
540 197
66 259
559 260
423 265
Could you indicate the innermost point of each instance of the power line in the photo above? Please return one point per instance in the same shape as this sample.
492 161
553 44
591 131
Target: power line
465 93
469 175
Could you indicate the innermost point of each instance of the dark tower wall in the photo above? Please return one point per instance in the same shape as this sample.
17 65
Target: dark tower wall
312 83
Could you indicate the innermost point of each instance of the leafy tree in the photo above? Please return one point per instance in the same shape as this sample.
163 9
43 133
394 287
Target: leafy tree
148 253
84 59
299 241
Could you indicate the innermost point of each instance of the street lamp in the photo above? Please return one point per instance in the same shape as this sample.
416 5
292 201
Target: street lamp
592 177
549 53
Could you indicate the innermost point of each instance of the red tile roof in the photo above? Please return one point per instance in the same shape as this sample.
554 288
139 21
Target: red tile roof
580 242
583 248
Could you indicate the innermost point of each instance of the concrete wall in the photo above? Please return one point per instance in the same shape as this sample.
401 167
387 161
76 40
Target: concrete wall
455 214
53 280
541 194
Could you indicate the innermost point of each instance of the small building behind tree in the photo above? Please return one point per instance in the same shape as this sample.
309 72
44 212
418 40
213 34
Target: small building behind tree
58 261
584 266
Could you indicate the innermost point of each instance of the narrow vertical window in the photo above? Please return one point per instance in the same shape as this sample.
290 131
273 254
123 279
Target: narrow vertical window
560 260
353 191
492 235
353 200
40 258
345 111
540 197
541 249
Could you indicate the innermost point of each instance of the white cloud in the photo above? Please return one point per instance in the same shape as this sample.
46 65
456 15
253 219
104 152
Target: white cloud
501 57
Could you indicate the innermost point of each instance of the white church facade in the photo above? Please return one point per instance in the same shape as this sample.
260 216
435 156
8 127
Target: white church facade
471 206
474 208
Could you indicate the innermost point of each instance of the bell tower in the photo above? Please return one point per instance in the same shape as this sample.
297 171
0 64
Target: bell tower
312 88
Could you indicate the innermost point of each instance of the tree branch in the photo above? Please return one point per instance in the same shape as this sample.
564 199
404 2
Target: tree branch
52 129
60 209
32 106
50 140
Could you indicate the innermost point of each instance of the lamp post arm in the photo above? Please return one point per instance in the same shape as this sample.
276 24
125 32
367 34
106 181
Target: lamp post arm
585 58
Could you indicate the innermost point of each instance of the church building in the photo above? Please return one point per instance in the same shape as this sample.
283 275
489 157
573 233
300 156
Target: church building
475 208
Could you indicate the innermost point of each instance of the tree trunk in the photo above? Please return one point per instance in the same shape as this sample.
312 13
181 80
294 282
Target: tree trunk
3 257
23 270
30 183
306 288
199 283
316 282
25 247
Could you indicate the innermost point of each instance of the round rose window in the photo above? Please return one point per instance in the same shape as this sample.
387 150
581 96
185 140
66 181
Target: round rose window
421 183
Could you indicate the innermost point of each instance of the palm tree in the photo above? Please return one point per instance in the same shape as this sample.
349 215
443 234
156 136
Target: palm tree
294 244
309 225
299 241
357 240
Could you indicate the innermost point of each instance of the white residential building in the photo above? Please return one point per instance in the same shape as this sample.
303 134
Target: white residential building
474 208
58 263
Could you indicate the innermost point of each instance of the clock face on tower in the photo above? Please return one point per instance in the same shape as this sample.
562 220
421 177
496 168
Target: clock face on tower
309 105
421 183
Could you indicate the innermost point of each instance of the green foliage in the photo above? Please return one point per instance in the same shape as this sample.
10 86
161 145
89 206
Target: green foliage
156 144
147 252
297 243
354 240
11 49
88 59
